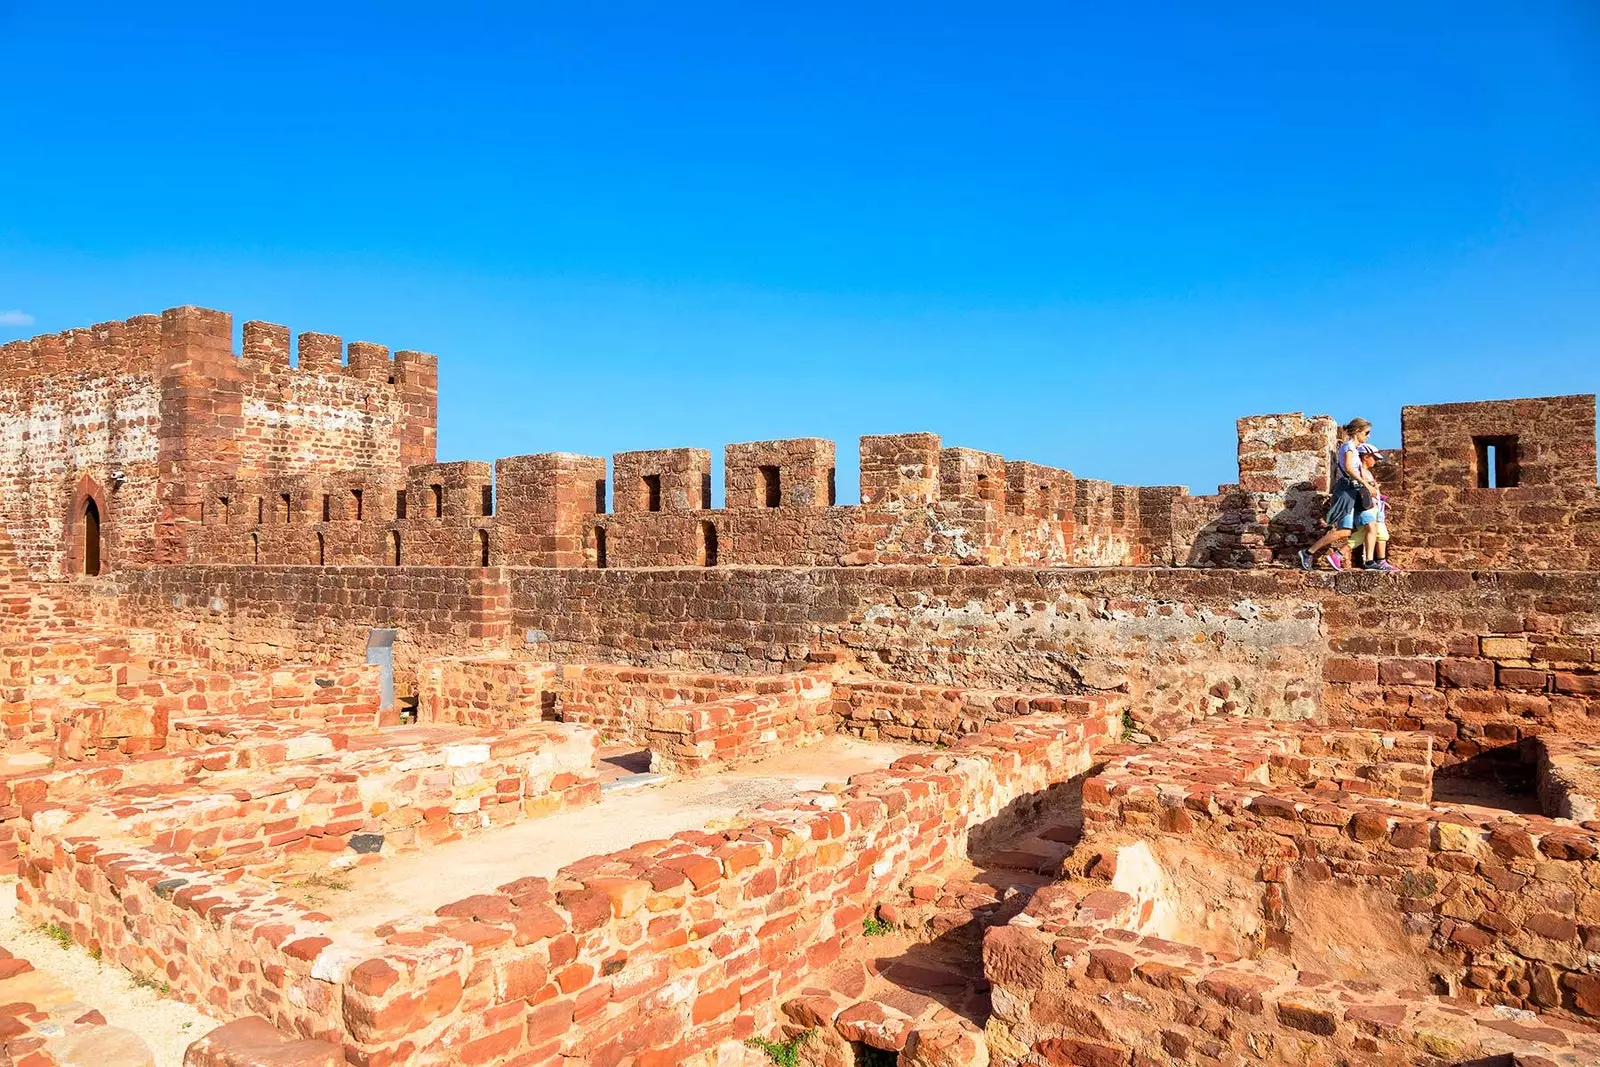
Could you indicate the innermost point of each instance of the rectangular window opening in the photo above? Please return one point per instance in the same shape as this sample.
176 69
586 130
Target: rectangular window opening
771 487
488 501
705 491
600 497
356 493
652 492
327 507
1496 461
833 487
400 504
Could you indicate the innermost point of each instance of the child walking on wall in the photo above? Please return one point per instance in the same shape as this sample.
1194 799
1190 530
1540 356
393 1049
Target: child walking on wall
1370 538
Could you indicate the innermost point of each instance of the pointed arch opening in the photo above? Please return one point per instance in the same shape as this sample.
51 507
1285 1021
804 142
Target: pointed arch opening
91 537
708 544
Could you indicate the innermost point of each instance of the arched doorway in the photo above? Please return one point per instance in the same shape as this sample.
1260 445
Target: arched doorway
91 537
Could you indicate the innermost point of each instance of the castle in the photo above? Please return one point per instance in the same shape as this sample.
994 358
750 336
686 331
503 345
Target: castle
154 435
1135 791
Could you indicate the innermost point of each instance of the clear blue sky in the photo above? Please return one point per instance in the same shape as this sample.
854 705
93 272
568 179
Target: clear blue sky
1090 235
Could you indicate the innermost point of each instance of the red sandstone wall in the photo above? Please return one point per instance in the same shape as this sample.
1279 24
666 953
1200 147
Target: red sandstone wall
1440 513
144 416
1377 651
661 951
549 510
74 408
927 505
498 694
267 615
1548 520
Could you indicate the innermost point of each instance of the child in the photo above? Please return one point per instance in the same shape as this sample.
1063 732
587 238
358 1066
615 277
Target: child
1371 532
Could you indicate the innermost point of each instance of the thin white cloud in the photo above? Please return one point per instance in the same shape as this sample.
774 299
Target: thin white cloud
15 318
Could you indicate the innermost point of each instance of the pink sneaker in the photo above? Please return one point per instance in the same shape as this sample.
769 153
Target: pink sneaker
1335 560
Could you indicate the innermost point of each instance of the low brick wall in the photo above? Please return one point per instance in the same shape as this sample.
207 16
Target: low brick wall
161 891
623 702
935 714
1501 907
490 693
120 706
200 749
406 795
1134 999
669 949
698 738
1479 661
660 951
39 678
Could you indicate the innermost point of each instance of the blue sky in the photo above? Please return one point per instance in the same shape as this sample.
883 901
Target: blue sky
1087 235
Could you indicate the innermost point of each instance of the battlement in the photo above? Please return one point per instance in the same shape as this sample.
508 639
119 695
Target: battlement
947 505
172 340
133 418
132 346
305 449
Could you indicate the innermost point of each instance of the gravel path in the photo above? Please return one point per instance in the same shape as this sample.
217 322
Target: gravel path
166 1024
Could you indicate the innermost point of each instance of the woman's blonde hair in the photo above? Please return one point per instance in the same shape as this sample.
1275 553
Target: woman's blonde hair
1355 426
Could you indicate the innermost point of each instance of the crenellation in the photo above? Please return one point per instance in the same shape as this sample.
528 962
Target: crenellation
107 348
899 469
794 473
266 342
369 362
1111 781
218 420
49 355
968 474
666 479
542 503
1038 492
319 353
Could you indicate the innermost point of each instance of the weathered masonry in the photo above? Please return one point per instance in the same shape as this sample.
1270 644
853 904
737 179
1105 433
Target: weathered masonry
996 766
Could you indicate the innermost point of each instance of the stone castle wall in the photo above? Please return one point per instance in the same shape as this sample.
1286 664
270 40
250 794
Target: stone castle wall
1477 660
137 416
193 454
929 505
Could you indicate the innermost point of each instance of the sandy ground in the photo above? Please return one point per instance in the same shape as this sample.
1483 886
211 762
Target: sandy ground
64 975
418 882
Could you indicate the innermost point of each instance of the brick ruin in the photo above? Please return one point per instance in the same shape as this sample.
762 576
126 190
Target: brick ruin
382 761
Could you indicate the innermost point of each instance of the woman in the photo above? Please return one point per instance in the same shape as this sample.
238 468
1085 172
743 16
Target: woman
1354 492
